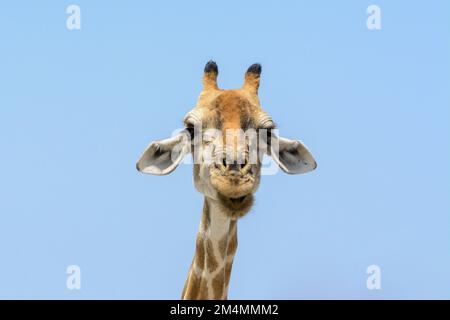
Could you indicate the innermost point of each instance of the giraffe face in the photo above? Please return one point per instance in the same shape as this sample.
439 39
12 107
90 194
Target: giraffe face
227 133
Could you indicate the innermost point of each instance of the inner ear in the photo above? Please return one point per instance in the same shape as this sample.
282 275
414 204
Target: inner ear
163 156
292 156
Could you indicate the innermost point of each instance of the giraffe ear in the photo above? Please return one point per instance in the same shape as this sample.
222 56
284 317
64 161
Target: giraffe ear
163 156
292 156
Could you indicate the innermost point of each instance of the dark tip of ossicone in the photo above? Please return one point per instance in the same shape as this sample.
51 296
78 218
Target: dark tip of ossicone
255 69
211 66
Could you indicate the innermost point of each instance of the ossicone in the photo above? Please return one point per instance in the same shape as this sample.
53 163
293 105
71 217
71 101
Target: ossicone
252 76
210 75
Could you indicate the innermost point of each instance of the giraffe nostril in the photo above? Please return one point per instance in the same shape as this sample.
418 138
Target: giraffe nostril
234 166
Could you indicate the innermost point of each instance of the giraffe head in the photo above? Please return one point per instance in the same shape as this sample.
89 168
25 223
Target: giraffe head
227 133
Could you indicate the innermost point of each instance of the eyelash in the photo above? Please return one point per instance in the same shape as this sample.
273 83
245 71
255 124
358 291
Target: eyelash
190 129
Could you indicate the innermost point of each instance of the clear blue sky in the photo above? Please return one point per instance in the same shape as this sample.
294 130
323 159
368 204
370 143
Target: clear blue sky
78 107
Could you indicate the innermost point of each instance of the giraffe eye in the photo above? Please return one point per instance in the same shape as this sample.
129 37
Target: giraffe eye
268 126
189 124
191 131
266 135
191 119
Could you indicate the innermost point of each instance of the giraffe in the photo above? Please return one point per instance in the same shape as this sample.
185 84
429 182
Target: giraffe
229 180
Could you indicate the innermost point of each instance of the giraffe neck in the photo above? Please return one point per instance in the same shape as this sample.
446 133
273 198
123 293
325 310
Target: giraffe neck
215 248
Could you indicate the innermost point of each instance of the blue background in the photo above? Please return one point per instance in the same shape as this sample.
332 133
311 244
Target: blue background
77 108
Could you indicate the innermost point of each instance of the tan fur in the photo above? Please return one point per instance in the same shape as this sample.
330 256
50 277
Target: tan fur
211 257
251 83
211 261
200 253
218 285
192 287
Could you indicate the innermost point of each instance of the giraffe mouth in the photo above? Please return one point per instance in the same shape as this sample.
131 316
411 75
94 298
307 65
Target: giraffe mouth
238 201
236 206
